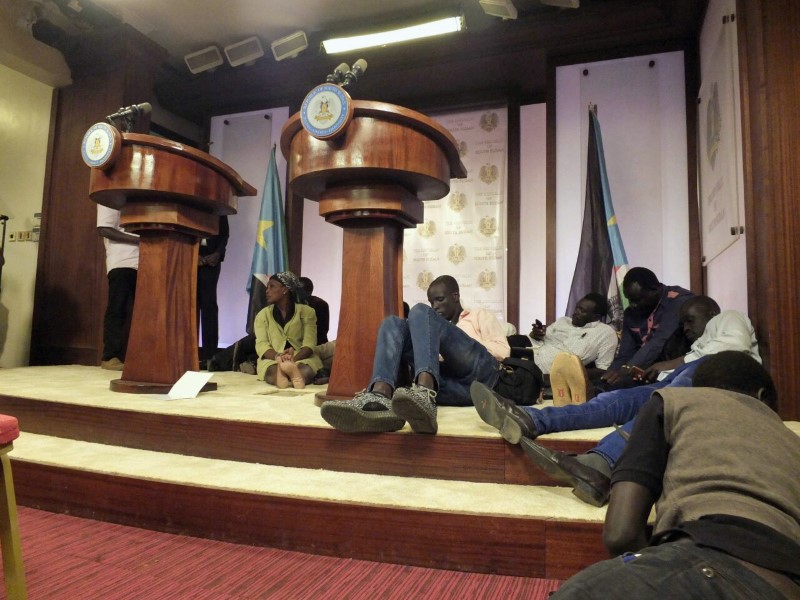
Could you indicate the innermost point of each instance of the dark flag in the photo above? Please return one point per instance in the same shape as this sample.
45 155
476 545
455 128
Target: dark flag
601 264
269 252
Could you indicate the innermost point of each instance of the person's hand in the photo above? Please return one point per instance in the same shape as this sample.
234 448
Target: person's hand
654 370
538 330
212 260
613 377
201 261
288 355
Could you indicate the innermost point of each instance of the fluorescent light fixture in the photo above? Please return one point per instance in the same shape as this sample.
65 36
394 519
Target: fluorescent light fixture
415 32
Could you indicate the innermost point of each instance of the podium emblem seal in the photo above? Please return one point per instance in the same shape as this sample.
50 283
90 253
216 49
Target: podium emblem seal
101 145
326 111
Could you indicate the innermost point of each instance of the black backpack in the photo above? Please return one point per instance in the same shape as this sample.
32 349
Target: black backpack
520 381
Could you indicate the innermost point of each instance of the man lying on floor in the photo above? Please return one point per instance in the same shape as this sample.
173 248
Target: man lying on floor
721 468
710 331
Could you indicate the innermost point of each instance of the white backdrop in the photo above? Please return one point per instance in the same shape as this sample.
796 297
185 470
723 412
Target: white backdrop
464 234
244 142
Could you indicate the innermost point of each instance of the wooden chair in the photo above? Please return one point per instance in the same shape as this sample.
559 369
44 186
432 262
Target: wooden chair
13 569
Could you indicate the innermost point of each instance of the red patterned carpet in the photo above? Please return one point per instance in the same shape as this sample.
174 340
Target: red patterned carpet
72 558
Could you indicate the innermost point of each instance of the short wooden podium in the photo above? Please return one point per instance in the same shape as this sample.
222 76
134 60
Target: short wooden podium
371 180
171 195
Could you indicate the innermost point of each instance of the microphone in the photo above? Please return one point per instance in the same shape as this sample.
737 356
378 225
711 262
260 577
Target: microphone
131 112
353 74
338 74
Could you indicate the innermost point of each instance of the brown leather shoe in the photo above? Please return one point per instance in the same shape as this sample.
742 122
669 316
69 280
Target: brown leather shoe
502 414
588 484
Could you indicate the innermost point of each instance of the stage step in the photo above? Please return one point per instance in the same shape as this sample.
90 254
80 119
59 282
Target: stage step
510 529
249 421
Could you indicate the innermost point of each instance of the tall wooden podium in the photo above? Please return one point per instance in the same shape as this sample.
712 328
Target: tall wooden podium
371 180
171 195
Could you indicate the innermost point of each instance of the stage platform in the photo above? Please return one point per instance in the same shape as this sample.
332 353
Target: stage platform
253 464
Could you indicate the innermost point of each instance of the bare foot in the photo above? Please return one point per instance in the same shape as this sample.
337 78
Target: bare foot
292 371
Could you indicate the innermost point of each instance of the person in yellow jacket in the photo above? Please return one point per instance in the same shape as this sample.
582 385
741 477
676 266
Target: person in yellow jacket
286 335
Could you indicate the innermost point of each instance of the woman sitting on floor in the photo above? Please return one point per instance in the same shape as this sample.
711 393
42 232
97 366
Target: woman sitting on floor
286 334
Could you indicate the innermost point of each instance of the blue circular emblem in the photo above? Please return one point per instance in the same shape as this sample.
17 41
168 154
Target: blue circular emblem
100 145
326 111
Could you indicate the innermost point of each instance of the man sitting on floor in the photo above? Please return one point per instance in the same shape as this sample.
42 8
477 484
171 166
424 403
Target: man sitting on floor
648 324
721 469
583 334
446 347
711 333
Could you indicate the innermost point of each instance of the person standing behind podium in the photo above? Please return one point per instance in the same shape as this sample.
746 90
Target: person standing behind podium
122 264
209 265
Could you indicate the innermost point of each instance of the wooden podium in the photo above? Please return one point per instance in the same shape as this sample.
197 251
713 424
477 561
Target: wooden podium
371 180
171 195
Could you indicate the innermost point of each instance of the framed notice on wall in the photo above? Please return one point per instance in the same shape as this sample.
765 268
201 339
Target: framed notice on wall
717 150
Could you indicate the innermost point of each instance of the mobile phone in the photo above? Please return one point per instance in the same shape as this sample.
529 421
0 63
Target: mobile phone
636 372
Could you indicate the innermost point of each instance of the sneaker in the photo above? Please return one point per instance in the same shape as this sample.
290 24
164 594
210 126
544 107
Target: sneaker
569 380
112 364
367 412
417 405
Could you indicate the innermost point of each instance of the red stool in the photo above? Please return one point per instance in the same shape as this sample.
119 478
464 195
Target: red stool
13 569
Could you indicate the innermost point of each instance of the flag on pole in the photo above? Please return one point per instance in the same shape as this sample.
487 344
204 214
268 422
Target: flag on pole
269 252
602 263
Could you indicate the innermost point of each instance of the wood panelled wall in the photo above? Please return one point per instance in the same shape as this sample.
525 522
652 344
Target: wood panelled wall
71 288
769 60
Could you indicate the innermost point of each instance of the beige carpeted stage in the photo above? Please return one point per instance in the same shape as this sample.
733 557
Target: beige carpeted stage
241 397
254 464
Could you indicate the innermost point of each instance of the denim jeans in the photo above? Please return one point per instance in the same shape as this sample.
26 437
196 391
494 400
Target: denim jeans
607 409
666 572
419 341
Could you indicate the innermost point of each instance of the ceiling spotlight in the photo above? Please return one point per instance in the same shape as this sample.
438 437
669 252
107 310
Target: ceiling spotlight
562 3
393 36
203 60
504 9
245 52
289 46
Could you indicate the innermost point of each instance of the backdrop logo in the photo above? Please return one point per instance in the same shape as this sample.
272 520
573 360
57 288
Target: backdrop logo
488 173
427 229
424 279
462 148
487 280
457 201
489 121
456 254
487 226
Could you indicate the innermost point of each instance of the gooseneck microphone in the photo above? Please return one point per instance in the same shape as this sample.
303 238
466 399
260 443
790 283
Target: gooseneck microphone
354 73
338 74
130 113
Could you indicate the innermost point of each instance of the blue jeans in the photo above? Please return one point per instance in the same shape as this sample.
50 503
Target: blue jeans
607 409
669 571
419 341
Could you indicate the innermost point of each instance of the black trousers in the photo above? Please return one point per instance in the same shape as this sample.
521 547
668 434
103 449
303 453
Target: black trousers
207 310
116 323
